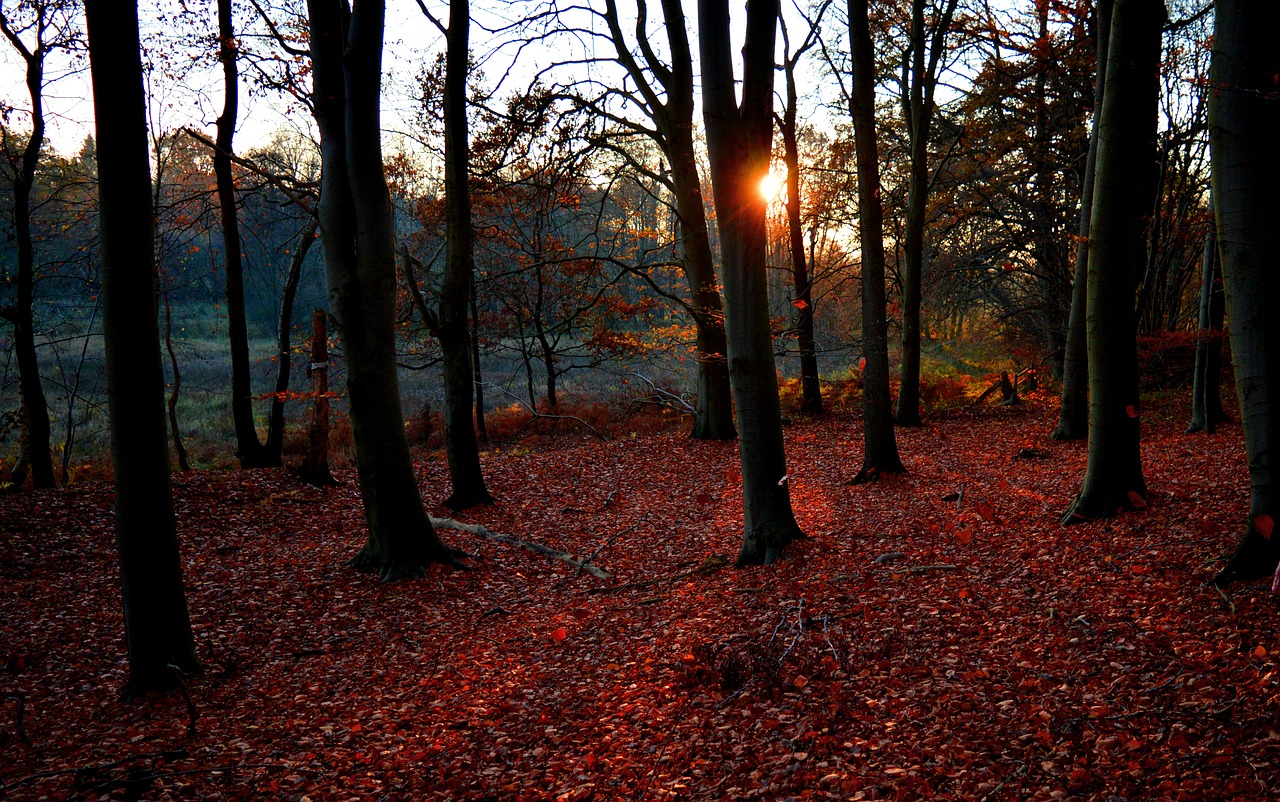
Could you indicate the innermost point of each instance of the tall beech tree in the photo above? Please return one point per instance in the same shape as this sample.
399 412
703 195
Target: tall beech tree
359 252
249 449
739 139
449 324
802 263
1113 480
880 443
1244 114
157 626
34 29
663 91
1073 409
926 44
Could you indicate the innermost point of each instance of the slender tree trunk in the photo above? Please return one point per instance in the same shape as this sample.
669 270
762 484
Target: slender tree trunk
284 346
1244 115
176 390
1206 388
713 419
248 448
801 276
157 626
315 466
482 432
359 248
739 138
455 293
1073 413
1113 480
38 456
672 116
926 54
880 443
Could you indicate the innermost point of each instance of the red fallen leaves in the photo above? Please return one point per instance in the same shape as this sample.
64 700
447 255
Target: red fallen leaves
1264 525
1088 661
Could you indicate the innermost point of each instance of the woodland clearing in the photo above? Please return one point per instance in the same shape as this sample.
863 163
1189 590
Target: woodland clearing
938 634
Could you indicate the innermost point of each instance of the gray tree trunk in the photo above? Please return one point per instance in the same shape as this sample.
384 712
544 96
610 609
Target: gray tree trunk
356 232
1244 115
920 110
739 138
1113 480
801 274
1073 411
455 293
248 448
879 441
157 626
1206 386
36 455
284 345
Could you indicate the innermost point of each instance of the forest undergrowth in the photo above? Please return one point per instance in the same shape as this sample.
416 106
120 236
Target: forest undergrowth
937 635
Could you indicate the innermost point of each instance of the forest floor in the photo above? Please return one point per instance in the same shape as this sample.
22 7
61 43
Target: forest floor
1003 656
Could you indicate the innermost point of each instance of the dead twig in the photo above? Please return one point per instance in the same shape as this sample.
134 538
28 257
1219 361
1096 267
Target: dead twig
527 545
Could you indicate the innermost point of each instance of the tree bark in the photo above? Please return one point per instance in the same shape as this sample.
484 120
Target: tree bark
1073 410
455 293
1206 387
274 447
315 466
356 233
1113 480
674 131
739 138
157 626
1244 114
923 83
801 275
37 432
248 448
881 446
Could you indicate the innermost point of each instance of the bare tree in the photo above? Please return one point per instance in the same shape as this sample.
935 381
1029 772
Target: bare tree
158 628
739 140
35 29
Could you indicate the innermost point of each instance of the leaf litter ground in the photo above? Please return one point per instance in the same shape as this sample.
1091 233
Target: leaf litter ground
937 635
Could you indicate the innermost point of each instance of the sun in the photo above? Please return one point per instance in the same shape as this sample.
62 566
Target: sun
770 187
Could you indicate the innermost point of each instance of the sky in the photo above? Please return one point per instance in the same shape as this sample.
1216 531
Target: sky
411 41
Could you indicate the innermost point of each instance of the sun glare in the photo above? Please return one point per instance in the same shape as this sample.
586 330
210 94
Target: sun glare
770 187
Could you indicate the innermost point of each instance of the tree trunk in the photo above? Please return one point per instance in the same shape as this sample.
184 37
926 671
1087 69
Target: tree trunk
1113 480
455 293
1206 387
157 626
673 132
315 466
801 276
1244 114
713 419
482 431
248 448
38 456
738 140
881 445
356 232
180 451
1073 413
274 447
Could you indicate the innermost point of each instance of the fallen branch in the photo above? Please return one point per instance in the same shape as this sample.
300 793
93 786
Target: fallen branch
923 569
527 545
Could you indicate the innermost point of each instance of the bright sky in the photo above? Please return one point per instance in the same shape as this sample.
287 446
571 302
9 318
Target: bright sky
411 41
